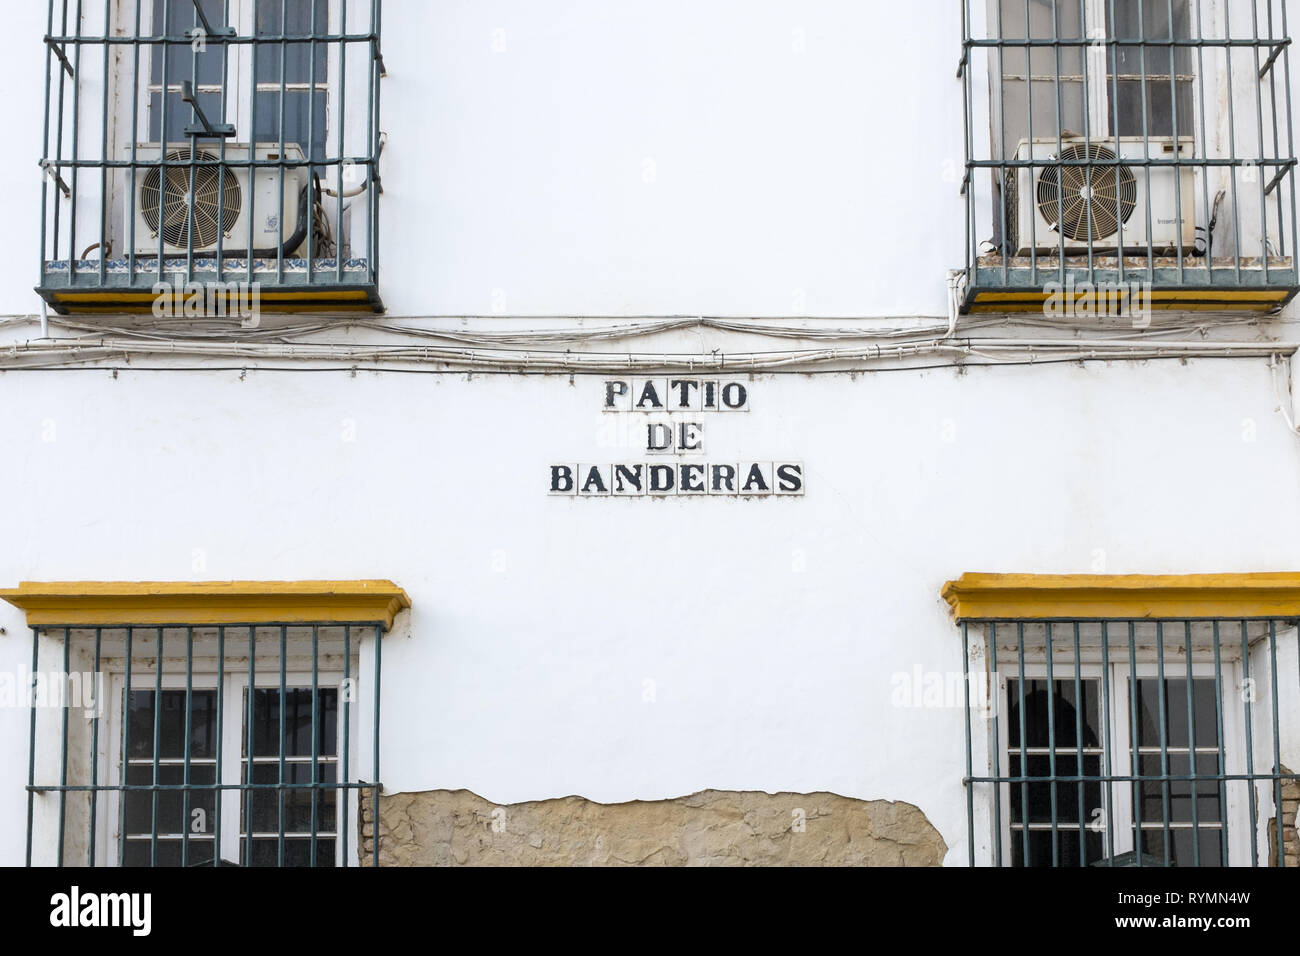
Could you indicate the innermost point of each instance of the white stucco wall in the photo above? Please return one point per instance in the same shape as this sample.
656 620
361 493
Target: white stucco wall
528 683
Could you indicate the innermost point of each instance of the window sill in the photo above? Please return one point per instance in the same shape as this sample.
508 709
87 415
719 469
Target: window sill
90 286
1026 284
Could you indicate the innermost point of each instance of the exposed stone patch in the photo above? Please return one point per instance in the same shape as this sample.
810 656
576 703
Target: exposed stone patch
1290 840
709 828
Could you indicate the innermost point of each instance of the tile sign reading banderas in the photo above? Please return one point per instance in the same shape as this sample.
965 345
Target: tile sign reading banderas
676 410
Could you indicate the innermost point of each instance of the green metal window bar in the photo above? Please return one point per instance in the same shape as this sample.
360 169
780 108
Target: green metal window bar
1127 742
1098 154
284 200
182 719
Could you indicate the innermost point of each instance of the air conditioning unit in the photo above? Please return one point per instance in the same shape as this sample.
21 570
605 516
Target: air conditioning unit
1049 207
163 201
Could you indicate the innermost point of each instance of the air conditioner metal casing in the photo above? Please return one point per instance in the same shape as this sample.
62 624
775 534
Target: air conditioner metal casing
1172 192
275 222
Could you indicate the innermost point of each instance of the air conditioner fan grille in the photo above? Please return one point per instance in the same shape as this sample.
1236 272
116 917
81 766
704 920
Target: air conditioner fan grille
167 210
1087 202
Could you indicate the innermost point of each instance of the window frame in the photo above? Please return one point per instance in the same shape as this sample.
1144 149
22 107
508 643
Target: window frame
131 119
1006 753
234 713
1097 85
1116 707
240 79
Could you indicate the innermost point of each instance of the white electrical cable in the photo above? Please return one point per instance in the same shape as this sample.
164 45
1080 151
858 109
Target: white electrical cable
346 193
214 330
1277 393
545 349
956 283
994 350
540 350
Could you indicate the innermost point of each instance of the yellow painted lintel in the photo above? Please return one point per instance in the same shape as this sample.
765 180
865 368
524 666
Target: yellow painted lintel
979 596
117 603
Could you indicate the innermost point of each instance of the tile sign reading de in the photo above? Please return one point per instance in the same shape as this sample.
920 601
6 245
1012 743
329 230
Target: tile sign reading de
677 410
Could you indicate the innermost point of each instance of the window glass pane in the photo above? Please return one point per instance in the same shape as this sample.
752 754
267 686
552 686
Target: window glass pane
1067 793
171 803
1126 111
1052 78
203 724
1015 103
1180 791
1055 79
184 59
297 852
297 722
263 807
1129 63
1063 16
171 819
1138 20
291 18
297 802
301 111
1180 846
1064 713
1067 844
169 852
1204 714
181 115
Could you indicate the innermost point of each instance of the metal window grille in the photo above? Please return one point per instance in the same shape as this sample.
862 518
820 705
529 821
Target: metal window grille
183 745
218 145
1129 743
1128 144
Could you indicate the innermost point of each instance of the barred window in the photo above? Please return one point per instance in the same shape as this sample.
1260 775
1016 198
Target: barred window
212 142
1165 803
248 737
1129 742
294 825
181 765
1136 145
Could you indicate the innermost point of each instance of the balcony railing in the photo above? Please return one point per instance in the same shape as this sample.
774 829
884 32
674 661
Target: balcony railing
1141 151
205 156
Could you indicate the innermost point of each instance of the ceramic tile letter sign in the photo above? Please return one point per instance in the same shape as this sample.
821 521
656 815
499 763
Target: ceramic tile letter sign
674 445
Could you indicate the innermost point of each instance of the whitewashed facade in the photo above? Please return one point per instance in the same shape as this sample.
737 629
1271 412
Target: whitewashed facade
762 192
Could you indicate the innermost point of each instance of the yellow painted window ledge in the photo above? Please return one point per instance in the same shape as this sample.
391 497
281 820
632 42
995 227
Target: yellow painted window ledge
977 596
117 603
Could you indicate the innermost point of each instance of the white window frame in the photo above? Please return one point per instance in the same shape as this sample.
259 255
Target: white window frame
1062 670
234 714
1235 815
131 80
1096 81
240 83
